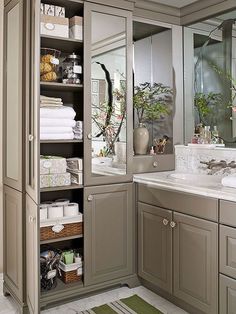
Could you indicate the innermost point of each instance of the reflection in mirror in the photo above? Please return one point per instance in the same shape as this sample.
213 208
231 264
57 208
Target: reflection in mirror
153 89
210 81
108 72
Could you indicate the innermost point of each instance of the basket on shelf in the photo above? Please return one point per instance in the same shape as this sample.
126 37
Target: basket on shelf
71 273
70 229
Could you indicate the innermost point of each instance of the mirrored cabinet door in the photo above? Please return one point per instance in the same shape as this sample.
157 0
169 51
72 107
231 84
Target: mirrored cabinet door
12 103
108 95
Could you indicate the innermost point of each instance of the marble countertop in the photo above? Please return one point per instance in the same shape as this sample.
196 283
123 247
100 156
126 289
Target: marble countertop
164 181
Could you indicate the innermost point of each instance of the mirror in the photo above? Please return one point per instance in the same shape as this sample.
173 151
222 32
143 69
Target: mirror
108 72
210 81
153 89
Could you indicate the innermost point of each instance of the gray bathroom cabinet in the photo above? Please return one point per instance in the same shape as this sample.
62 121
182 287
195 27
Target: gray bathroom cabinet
177 252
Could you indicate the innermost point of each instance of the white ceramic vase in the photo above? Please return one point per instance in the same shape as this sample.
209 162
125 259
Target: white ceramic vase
141 140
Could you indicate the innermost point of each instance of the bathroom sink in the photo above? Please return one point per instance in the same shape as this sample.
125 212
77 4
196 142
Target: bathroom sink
197 179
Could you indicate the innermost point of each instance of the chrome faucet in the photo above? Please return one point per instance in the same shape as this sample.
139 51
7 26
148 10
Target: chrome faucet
216 166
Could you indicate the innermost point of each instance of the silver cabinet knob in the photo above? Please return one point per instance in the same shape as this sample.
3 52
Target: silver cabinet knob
173 224
165 222
155 164
89 136
90 198
32 219
31 137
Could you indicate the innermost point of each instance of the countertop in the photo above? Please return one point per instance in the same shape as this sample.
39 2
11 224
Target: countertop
164 181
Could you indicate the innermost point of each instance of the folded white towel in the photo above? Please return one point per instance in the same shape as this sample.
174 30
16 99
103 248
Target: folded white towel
57 122
50 105
229 181
55 129
62 136
42 98
59 112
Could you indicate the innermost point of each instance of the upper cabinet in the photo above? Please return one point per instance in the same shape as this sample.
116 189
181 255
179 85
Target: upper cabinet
13 94
108 128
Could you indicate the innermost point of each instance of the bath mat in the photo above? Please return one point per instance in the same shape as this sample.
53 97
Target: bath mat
131 305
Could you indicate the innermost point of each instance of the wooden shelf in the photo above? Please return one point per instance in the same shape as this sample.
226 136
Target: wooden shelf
60 141
60 86
62 188
67 45
61 239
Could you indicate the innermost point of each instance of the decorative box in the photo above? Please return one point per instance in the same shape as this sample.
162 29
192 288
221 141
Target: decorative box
60 11
76 27
52 180
49 9
54 26
52 165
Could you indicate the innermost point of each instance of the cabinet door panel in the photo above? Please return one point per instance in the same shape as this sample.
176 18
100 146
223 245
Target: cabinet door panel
109 233
227 295
13 241
32 256
12 94
155 246
196 262
228 251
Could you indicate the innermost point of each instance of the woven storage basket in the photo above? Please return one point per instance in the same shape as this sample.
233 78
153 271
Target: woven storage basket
70 276
71 229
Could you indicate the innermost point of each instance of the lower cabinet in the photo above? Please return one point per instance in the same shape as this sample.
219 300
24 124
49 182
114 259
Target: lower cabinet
193 255
227 295
108 232
13 242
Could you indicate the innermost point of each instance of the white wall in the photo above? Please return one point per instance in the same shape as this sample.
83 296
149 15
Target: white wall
1 205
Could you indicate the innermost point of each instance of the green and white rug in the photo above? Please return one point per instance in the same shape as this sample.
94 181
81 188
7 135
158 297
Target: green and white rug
131 305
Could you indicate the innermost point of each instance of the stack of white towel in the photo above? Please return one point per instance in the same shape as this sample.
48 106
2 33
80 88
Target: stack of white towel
78 130
56 121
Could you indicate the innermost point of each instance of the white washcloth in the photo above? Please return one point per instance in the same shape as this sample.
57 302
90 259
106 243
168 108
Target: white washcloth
55 129
63 136
50 99
57 122
229 181
59 112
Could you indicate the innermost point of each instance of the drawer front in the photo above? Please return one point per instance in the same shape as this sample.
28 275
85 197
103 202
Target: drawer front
228 213
227 295
228 251
190 204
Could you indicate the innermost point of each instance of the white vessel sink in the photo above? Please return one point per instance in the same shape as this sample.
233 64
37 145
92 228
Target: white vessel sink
197 179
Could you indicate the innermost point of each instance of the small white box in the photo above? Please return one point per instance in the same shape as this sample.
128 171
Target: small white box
54 26
76 27
49 9
52 165
53 180
60 11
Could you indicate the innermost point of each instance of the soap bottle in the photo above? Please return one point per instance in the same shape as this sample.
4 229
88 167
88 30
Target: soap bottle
207 135
215 135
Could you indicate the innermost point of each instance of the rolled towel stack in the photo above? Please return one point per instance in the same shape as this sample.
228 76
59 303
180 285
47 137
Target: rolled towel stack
57 122
229 181
78 130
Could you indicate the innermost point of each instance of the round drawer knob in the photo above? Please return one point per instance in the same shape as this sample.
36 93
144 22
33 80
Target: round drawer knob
173 224
89 136
31 137
90 198
165 221
155 164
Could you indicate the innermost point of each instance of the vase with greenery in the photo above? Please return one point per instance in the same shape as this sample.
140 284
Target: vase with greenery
151 103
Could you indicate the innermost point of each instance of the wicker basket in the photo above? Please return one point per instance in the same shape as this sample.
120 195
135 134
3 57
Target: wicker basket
71 229
70 276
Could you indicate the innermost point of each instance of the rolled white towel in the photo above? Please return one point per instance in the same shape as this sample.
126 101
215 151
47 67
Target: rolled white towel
58 113
229 181
62 136
55 129
57 122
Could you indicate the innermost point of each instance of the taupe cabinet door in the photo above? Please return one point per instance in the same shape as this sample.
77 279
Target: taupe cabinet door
32 256
228 251
108 233
13 242
155 245
12 95
227 295
196 262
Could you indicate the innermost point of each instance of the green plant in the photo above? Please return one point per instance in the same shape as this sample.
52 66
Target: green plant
206 104
152 102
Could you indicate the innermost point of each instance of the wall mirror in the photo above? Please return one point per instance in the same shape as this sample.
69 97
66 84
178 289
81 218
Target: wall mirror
210 80
108 89
153 98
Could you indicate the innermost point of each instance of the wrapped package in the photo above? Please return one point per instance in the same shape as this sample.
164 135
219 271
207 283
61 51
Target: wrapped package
76 177
75 164
53 180
52 165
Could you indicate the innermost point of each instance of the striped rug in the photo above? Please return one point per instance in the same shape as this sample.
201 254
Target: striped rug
131 305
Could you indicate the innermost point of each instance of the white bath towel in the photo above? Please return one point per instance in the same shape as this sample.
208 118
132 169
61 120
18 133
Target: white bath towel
58 136
229 181
57 122
59 112
45 98
55 129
